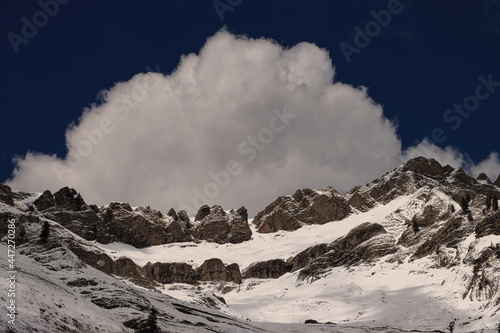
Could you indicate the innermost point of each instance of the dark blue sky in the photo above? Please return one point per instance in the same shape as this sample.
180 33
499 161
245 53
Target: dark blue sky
427 58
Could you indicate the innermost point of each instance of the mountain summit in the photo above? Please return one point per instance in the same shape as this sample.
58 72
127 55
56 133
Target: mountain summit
416 249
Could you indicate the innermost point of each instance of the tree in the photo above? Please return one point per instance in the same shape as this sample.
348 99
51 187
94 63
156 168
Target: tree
494 204
44 235
152 324
469 216
464 204
452 208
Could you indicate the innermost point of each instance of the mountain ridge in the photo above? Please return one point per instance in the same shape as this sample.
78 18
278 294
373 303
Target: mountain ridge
411 219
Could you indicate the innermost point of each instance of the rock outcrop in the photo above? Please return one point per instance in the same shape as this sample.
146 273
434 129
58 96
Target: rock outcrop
305 206
363 243
213 224
270 269
6 195
215 270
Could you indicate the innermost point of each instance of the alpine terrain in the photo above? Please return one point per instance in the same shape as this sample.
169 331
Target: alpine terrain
417 249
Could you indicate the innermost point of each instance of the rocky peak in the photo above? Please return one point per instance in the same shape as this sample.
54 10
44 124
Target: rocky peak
45 201
497 182
482 176
425 166
202 212
6 195
68 198
172 214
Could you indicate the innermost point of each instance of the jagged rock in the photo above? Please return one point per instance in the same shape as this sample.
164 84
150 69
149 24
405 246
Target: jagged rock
6 195
174 233
215 270
484 283
45 201
270 269
175 272
184 219
360 200
68 208
69 199
305 206
441 237
172 214
460 177
202 212
425 166
484 177
219 227
239 231
489 226
132 227
365 242
497 182
305 257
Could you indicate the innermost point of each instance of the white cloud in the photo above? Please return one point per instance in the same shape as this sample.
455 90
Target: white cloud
158 140
490 166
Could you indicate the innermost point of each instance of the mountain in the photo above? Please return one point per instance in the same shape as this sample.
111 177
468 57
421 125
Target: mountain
417 249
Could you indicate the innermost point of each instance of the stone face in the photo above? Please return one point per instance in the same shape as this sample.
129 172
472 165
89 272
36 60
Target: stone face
68 198
202 212
363 243
215 270
45 201
305 206
132 228
305 257
176 272
425 166
270 269
489 226
219 227
484 177
441 237
6 195
175 233
497 182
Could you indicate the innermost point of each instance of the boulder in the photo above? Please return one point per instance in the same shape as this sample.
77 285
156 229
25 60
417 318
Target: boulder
215 270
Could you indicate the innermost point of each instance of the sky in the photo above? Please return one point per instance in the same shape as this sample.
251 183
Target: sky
235 102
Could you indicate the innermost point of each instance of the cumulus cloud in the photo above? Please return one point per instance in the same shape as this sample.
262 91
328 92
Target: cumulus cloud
240 123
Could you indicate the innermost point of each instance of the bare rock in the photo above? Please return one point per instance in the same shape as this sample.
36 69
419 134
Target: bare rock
6 195
173 214
175 233
270 269
175 272
489 226
215 270
305 206
45 201
202 213
482 176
